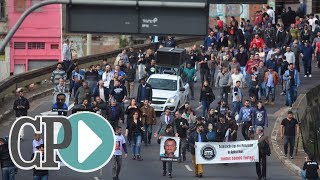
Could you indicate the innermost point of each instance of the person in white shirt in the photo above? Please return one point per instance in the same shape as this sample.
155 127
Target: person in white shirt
66 54
271 14
272 51
37 141
312 22
290 56
117 156
236 76
107 76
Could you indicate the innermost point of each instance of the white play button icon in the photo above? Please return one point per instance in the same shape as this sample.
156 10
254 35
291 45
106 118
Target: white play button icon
88 141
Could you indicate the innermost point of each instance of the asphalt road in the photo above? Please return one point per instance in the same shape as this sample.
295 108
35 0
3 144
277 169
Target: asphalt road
151 166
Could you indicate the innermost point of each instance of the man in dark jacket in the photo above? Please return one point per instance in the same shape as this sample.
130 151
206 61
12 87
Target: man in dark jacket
114 113
102 92
7 167
129 79
197 136
21 106
144 91
99 106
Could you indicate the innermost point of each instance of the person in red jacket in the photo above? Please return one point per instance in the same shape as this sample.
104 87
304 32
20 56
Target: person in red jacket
258 41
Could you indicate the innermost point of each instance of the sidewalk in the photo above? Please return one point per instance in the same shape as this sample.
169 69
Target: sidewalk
295 165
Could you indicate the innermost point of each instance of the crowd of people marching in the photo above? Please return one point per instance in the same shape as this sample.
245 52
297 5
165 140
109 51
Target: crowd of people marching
236 56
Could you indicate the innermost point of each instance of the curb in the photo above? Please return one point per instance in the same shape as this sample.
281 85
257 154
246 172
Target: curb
278 149
33 97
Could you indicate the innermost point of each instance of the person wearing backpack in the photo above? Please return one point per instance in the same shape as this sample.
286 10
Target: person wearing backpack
264 151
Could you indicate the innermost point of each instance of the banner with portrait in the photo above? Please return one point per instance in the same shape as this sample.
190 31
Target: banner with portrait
169 148
60 102
227 152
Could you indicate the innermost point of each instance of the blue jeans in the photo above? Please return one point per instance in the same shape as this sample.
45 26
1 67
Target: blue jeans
147 133
136 143
8 173
289 140
40 177
291 95
236 107
271 90
262 90
205 108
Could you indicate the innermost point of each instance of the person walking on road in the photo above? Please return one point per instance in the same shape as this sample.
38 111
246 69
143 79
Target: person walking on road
40 174
271 78
306 53
36 142
191 74
206 97
8 169
165 119
259 116
114 113
66 54
181 127
129 79
264 151
58 74
223 83
21 106
197 136
289 131
245 117
310 169
117 156
144 91
148 119
236 98
169 133
292 82
135 127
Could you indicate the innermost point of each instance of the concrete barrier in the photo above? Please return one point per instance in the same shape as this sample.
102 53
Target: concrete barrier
307 111
9 85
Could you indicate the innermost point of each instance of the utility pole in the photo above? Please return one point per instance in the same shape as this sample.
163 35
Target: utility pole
89 44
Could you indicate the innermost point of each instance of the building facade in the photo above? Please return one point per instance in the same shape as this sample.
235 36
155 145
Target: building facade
37 43
4 28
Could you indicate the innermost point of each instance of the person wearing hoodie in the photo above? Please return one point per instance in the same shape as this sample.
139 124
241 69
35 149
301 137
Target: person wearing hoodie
259 116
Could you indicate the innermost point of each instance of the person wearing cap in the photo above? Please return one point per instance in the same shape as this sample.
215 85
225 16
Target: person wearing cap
8 169
292 82
271 78
306 53
21 106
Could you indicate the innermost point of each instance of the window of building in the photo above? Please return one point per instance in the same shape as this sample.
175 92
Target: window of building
20 5
2 10
19 45
54 46
36 45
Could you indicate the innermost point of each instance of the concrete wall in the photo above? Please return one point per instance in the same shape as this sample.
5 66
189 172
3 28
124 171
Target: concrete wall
307 111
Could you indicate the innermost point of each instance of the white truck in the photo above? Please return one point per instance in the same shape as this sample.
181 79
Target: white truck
168 91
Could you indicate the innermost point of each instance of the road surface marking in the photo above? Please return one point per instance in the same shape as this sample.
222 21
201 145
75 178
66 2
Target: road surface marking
96 178
199 107
100 172
71 106
188 168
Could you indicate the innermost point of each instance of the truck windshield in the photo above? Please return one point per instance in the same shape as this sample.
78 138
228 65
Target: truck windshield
163 84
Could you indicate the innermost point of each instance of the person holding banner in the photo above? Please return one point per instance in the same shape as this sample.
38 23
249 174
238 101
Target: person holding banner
197 136
264 151
170 146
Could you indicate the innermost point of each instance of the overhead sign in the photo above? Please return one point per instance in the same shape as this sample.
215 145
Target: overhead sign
227 152
181 17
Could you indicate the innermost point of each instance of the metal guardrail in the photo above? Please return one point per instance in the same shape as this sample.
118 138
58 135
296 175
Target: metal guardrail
10 84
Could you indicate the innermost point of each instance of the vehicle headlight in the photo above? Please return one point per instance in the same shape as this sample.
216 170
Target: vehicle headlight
171 100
